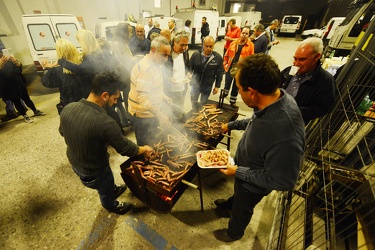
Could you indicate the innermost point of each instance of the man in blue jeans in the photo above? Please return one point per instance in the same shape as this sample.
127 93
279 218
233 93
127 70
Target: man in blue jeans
270 152
87 130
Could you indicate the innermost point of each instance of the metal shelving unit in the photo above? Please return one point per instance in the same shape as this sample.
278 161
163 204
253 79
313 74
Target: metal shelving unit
333 203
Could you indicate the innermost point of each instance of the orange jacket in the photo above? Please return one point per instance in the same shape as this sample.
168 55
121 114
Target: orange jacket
248 49
232 33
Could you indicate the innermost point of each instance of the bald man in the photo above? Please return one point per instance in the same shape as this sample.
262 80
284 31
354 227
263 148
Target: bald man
139 45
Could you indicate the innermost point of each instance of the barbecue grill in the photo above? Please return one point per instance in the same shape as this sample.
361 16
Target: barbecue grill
148 179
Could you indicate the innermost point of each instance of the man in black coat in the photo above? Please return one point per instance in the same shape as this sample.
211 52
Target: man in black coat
205 30
207 67
312 87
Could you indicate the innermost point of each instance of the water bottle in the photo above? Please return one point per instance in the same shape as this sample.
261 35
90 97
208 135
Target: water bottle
365 105
332 54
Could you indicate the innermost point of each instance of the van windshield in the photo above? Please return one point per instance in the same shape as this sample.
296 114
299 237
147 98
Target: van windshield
291 20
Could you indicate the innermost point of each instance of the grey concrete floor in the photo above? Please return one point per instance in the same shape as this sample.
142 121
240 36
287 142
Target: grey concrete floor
44 205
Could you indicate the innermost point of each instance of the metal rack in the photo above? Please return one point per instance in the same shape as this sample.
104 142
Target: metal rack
333 203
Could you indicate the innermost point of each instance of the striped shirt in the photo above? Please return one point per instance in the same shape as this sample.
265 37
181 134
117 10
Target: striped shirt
146 88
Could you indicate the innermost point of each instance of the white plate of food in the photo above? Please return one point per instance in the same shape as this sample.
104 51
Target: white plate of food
218 158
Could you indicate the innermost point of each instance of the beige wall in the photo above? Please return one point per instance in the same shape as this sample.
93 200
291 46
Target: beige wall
92 12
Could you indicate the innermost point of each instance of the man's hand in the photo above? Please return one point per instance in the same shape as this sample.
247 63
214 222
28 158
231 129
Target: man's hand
145 149
215 90
164 121
224 128
230 170
3 61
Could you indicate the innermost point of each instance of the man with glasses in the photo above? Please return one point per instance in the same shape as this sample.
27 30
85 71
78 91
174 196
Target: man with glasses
176 69
312 87
146 94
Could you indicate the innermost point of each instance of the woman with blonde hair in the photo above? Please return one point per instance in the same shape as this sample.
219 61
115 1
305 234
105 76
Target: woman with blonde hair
69 84
94 60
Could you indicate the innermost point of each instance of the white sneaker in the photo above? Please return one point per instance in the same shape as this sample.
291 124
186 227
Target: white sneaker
28 119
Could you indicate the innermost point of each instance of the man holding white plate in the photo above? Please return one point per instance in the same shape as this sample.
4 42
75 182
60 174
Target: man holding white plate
270 152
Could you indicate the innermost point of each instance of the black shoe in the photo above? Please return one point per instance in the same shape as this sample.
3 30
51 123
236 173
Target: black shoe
222 235
119 190
122 208
9 117
222 203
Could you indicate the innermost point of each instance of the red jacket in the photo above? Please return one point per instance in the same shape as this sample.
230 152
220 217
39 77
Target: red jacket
248 49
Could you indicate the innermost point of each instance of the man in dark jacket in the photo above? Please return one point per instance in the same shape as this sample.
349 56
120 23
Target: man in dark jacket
205 30
312 87
269 154
207 67
260 39
88 130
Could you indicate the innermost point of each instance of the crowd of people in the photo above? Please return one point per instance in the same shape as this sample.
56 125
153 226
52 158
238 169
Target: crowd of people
150 70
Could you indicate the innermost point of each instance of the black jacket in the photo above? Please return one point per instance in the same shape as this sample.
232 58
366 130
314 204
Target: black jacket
205 75
205 30
315 97
70 86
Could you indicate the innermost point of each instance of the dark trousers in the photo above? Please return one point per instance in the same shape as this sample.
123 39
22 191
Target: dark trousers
244 202
145 130
228 83
104 183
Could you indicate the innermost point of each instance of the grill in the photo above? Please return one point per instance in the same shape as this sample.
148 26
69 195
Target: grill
159 180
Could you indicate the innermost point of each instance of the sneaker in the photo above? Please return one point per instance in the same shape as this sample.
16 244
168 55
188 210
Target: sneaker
119 190
122 208
28 119
39 113
9 117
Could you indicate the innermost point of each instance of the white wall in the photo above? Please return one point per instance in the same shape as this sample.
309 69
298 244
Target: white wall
92 12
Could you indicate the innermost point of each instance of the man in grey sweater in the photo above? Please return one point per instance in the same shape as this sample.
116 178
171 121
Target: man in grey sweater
270 152
87 130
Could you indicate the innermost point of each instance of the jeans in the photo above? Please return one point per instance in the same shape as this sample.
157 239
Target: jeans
194 95
228 82
244 202
104 183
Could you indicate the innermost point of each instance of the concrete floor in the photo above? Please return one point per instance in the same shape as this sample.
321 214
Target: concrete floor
44 205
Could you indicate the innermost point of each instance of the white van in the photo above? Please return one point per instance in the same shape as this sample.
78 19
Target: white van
360 13
249 18
331 27
42 31
223 22
195 16
106 29
163 21
290 24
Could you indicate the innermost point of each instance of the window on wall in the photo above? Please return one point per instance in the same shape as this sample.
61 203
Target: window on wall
157 3
236 7
202 2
